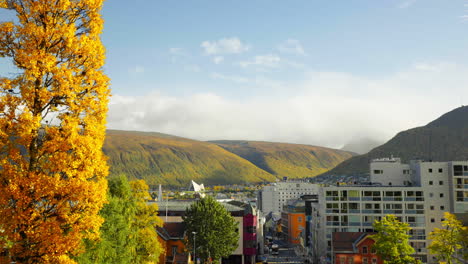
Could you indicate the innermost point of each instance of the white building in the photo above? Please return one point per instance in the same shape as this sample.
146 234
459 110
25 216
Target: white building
418 193
272 198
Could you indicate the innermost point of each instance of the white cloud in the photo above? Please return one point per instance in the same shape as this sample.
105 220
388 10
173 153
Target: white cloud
192 68
218 59
292 46
406 4
177 51
327 108
224 46
268 61
236 79
137 69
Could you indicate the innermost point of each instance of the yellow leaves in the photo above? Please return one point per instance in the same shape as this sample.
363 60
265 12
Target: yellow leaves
56 173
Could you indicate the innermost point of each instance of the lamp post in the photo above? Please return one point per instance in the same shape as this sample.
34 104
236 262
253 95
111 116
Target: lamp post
194 238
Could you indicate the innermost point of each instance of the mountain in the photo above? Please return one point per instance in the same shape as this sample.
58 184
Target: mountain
443 139
174 161
286 160
170 160
361 145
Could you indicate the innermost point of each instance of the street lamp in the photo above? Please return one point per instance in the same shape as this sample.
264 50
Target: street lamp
194 237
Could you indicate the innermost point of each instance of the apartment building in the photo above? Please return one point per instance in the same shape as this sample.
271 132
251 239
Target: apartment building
417 193
293 221
272 198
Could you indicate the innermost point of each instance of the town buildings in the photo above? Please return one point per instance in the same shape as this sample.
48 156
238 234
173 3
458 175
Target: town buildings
354 248
417 193
171 213
272 198
293 221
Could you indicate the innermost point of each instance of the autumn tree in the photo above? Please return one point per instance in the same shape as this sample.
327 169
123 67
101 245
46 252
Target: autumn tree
216 234
449 240
391 241
52 128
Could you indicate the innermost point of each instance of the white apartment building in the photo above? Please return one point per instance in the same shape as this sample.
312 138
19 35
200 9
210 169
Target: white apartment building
417 193
272 197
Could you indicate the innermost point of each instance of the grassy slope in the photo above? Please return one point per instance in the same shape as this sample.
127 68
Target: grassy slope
170 160
444 139
282 159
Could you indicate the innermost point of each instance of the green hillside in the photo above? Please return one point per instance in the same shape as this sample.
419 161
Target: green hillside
170 160
443 139
282 159
174 161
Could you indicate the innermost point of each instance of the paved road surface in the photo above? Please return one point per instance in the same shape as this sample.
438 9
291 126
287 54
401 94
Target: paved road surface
286 255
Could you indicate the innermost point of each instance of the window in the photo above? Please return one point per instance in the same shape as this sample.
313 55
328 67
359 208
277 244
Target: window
364 261
378 171
299 219
441 195
374 261
442 207
174 250
342 260
431 182
432 207
441 182
431 195
364 250
350 260
432 220
430 170
440 170
373 251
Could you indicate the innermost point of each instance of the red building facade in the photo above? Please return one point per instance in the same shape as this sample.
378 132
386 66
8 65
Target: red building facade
354 248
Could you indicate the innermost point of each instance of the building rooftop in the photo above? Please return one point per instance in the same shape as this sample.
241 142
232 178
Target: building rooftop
346 241
181 206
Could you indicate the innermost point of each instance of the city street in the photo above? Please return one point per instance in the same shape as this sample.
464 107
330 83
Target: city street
286 255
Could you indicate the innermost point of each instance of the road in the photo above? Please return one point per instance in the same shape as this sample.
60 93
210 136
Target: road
286 255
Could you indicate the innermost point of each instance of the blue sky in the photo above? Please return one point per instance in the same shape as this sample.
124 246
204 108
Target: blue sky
303 71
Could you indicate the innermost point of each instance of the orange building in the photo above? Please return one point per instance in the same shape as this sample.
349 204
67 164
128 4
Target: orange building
293 221
354 248
171 236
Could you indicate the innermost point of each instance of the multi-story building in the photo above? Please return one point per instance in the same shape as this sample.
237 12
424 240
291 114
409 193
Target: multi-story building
417 193
293 221
272 198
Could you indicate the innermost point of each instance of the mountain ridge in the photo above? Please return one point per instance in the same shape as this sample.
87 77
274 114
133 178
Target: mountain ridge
443 139
171 160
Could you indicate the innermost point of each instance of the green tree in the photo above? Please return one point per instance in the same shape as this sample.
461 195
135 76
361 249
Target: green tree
448 241
128 234
216 230
146 220
118 242
391 241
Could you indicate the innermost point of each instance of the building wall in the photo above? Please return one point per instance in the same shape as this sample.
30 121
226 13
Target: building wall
389 171
361 256
275 196
296 225
459 186
354 208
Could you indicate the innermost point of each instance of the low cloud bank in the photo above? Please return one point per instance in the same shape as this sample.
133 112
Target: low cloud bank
326 109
